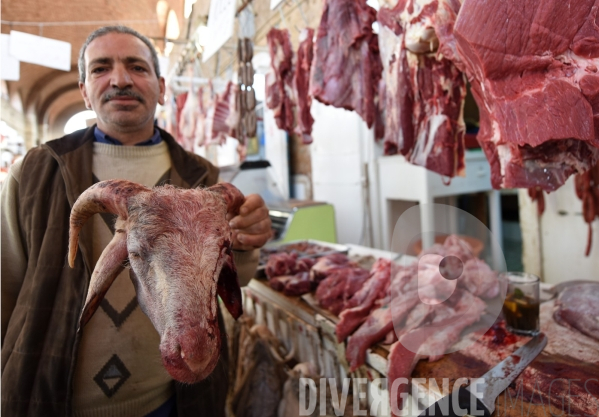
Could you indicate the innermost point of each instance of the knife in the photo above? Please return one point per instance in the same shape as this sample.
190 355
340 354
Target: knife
481 402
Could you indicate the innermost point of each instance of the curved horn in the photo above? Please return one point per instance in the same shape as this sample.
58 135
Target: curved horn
231 194
104 197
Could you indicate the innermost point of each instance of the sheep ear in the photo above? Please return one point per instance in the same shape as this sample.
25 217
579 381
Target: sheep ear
228 286
109 266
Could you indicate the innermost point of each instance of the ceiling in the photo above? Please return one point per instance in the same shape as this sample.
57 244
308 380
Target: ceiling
49 96
46 98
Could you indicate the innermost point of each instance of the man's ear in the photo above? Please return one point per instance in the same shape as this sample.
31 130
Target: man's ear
162 87
84 94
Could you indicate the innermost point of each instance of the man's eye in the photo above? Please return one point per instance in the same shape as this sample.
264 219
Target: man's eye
98 70
138 68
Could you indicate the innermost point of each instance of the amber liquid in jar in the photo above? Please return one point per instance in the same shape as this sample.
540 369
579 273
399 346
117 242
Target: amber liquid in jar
521 312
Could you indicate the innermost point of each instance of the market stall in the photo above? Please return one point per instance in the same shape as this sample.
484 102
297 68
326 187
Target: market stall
427 219
406 104
561 379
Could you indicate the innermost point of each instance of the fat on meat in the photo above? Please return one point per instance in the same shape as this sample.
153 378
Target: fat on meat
425 91
347 66
533 70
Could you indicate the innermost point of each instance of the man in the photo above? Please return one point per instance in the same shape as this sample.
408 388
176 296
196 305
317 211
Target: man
113 367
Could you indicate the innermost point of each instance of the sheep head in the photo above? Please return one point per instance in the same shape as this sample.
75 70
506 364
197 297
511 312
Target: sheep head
178 243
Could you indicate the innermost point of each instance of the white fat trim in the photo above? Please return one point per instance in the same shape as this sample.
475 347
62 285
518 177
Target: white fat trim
415 33
505 155
426 139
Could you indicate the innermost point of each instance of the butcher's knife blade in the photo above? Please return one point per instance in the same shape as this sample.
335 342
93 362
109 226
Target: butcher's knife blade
481 401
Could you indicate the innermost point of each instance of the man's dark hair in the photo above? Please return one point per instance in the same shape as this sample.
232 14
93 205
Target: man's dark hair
116 29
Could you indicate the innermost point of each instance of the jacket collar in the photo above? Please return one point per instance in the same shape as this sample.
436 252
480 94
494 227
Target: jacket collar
74 153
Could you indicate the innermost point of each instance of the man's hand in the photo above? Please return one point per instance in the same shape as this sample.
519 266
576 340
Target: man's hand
252 227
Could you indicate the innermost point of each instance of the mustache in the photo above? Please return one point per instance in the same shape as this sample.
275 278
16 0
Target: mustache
122 93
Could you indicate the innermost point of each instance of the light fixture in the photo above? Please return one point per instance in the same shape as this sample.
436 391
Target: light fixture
162 9
172 26
188 7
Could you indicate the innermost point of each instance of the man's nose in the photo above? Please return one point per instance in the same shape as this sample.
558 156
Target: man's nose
121 77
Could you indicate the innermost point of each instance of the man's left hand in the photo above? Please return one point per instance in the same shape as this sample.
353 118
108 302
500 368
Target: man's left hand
252 226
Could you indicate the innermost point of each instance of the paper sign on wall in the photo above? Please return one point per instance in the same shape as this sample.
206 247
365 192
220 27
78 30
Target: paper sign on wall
10 68
41 51
220 26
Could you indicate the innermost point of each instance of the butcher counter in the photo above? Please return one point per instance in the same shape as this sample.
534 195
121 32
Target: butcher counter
563 380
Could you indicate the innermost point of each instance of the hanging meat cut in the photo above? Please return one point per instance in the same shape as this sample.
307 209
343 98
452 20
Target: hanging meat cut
301 82
347 67
188 119
533 69
587 189
425 92
279 81
222 117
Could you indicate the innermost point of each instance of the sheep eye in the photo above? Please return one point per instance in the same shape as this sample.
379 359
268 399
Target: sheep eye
134 255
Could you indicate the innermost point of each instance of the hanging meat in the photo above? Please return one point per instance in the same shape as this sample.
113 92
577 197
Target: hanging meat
188 120
180 104
587 189
279 81
200 123
425 92
347 66
533 70
301 82
222 116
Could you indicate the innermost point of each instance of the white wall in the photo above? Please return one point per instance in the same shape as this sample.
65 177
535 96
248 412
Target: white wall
275 151
563 238
341 149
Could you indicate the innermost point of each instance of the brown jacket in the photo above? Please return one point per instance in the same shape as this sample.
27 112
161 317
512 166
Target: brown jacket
40 317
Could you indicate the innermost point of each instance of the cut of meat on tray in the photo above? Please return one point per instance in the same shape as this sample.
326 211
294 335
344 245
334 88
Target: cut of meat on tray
279 81
432 339
479 279
284 263
533 71
376 327
336 289
301 82
280 264
347 67
298 284
328 264
359 306
577 307
425 91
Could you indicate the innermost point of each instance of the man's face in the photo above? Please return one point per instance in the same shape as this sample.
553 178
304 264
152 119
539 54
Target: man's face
121 85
